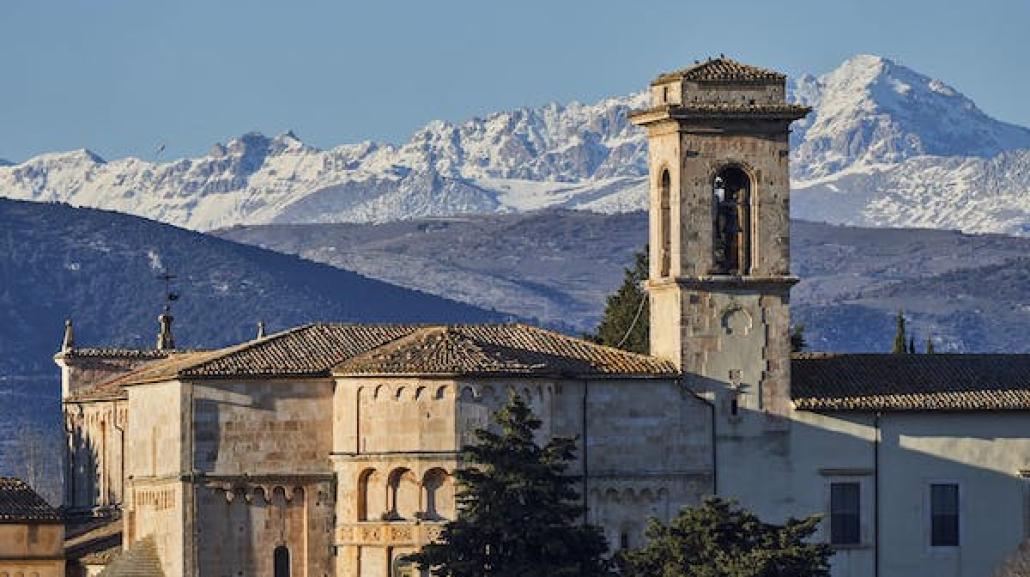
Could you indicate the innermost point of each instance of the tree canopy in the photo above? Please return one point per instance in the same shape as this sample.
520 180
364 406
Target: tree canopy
719 539
519 512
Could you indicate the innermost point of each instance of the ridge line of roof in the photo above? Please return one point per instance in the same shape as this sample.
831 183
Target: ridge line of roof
392 344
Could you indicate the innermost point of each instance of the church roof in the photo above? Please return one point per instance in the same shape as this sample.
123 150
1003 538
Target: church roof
20 504
315 350
498 350
113 389
886 382
722 70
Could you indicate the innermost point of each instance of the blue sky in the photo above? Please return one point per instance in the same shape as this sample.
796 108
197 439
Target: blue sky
121 76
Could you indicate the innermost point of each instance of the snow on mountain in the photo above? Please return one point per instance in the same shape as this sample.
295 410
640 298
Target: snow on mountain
873 111
958 192
883 146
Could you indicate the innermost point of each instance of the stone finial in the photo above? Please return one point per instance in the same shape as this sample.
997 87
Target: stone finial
261 329
165 341
69 336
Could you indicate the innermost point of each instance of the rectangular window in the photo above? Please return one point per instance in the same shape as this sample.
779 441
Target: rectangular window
845 519
944 515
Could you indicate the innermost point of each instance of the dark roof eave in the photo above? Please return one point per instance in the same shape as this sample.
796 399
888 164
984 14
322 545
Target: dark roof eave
512 375
789 112
96 399
32 521
823 407
188 377
775 78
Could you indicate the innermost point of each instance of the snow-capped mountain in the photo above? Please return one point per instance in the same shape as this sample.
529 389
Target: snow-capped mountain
883 146
873 111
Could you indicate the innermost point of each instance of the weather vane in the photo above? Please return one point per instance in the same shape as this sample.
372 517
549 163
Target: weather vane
170 295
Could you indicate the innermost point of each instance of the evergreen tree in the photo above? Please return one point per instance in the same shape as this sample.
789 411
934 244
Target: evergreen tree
899 334
929 345
797 338
626 322
519 512
912 345
718 539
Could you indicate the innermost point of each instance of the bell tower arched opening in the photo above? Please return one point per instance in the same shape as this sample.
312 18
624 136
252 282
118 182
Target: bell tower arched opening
665 223
731 204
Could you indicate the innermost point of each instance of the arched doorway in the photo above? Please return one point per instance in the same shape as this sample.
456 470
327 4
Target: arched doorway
281 561
731 200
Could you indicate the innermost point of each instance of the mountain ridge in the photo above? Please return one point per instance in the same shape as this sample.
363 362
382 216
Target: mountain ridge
871 117
560 265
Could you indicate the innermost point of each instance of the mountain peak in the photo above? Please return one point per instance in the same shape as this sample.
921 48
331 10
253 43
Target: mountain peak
870 114
871 111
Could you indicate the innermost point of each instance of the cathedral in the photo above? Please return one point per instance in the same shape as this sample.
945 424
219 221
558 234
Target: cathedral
330 449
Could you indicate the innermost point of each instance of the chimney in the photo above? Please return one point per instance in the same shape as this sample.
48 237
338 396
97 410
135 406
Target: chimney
261 330
165 341
69 336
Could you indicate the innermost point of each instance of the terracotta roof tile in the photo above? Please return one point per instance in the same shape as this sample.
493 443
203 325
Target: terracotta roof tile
722 69
499 349
882 382
160 370
20 504
314 350
308 350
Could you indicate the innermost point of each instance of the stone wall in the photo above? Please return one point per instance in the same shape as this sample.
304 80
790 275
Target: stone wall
261 427
395 469
31 550
240 525
156 454
95 454
158 507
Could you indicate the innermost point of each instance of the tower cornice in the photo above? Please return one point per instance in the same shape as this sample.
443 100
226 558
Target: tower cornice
707 111
724 282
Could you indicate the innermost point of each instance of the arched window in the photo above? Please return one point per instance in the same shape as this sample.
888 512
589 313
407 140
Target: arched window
439 503
371 501
664 227
731 200
403 494
281 561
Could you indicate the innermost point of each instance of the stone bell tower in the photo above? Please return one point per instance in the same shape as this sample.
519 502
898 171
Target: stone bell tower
720 232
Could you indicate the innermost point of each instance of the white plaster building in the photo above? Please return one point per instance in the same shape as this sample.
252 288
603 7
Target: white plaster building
329 449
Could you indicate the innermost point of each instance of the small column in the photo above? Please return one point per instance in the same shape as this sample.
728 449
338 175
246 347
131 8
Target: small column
69 337
165 340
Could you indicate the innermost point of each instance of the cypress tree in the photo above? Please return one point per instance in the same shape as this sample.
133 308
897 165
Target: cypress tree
911 345
626 322
929 345
900 341
519 513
